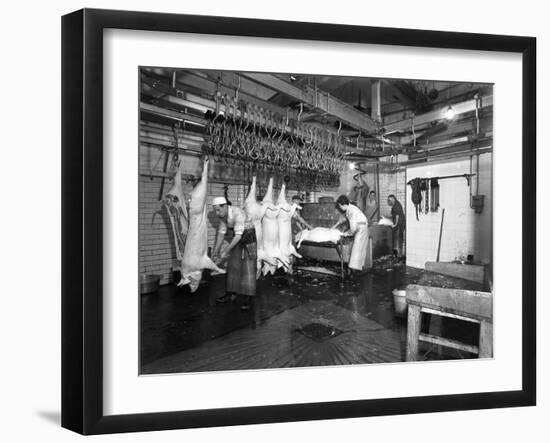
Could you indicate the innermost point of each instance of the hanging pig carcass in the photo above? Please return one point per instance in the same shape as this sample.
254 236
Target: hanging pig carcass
195 257
256 212
270 232
175 203
284 220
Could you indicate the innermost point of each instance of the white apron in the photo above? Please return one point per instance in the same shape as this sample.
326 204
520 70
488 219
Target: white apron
358 222
359 249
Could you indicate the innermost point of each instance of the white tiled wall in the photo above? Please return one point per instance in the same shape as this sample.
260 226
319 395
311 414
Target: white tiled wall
464 231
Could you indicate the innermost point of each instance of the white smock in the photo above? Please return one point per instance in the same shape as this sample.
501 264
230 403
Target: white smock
358 224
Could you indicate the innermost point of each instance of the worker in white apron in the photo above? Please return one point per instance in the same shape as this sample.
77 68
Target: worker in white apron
358 228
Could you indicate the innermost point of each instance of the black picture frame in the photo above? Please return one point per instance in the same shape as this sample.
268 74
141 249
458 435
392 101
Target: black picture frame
82 215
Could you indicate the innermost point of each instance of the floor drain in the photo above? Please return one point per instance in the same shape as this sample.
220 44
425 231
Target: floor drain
319 331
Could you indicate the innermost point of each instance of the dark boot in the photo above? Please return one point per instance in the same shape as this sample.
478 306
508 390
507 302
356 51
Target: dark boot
228 296
248 303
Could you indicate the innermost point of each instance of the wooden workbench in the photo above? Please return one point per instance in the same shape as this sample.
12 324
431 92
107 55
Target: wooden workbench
462 304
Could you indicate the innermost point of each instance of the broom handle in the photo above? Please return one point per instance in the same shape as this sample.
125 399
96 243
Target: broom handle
440 233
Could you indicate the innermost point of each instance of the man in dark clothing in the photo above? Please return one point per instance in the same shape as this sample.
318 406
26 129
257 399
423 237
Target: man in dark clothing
398 219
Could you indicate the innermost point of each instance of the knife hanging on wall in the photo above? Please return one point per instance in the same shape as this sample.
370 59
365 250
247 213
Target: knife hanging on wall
434 197
427 196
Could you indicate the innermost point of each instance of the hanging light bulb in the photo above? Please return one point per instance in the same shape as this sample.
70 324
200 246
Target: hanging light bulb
351 165
449 115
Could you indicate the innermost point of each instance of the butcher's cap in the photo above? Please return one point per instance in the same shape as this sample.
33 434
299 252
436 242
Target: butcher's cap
219 201
297 197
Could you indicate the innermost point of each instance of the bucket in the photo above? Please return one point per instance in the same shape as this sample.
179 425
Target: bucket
400 302
148 283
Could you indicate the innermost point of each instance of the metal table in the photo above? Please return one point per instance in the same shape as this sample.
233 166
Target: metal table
337 246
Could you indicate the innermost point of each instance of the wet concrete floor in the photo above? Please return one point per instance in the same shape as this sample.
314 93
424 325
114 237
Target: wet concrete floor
180 332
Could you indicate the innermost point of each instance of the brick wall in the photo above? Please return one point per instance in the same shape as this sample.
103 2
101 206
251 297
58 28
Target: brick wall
464 231
392 181
157 254
157 250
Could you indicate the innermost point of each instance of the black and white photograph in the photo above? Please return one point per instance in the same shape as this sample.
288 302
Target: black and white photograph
293 220
275 221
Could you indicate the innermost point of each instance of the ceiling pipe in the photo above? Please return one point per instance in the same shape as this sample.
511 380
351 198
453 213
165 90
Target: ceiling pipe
439 114
450 156
450 142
